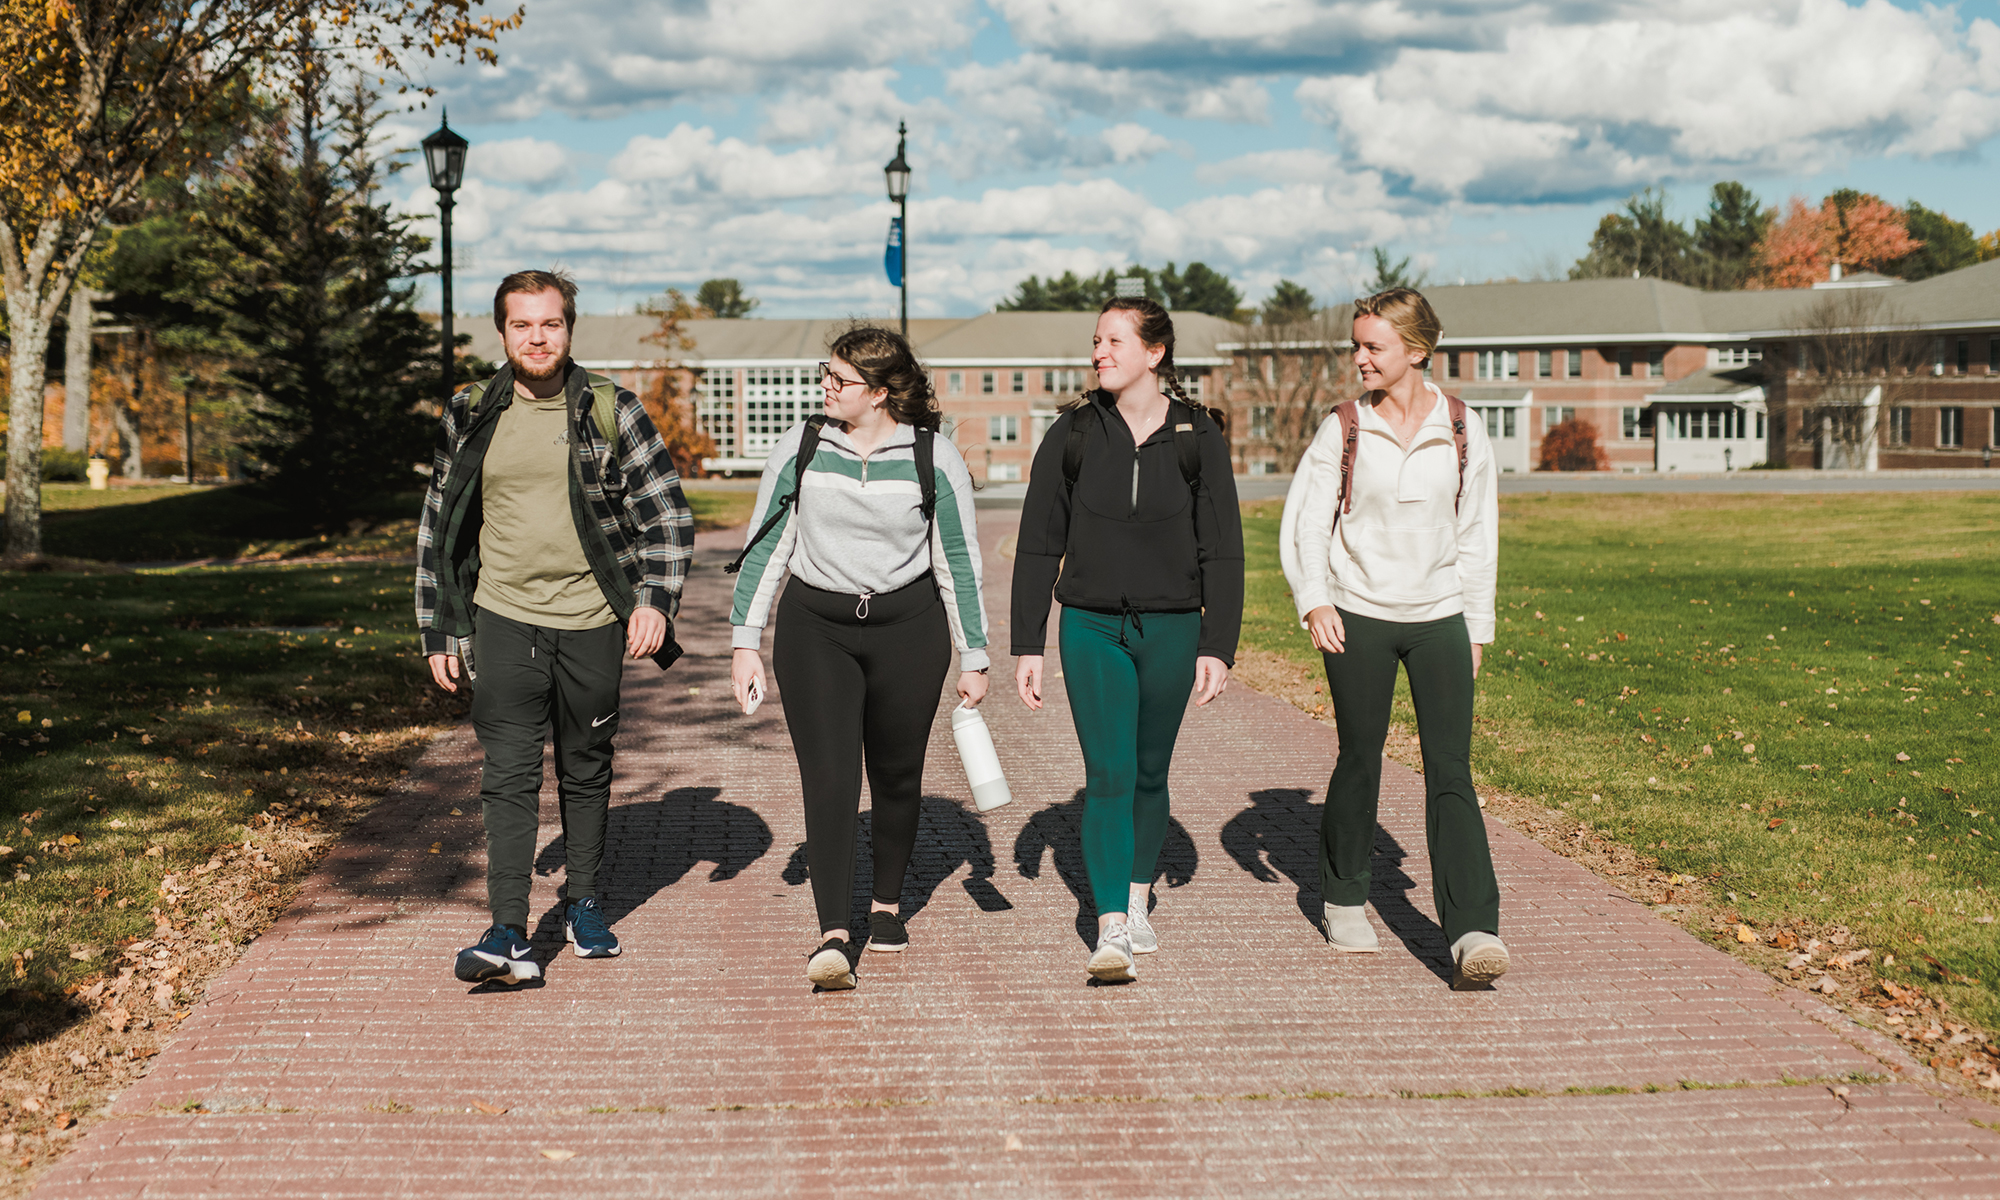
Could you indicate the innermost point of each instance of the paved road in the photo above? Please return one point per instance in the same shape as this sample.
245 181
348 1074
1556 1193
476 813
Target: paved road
339 1057
1273 487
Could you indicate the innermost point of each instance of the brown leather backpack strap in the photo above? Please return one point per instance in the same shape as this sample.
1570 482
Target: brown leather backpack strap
1349 415
1457 410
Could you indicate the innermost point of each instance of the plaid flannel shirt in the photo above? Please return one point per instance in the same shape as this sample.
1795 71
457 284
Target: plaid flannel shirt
631 517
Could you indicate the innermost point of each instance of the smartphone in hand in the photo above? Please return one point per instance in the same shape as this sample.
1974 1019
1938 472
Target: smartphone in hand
753 696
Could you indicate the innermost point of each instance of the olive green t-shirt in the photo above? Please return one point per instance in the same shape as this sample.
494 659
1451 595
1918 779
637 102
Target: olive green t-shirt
531 565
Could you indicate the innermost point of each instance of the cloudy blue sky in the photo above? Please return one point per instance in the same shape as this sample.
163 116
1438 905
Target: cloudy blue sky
646 144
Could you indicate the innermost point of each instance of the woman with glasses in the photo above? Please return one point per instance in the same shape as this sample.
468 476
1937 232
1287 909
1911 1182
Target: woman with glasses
880 594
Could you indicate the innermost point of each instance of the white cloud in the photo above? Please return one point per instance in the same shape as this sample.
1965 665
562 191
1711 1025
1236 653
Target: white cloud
597 58
1130 142
1572 110
522 162
689 161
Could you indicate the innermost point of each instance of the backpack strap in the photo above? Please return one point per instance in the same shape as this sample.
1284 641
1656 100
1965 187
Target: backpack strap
604 408
1457 410
1073 444
603 405
1187 446
1349 415
808 446
925 450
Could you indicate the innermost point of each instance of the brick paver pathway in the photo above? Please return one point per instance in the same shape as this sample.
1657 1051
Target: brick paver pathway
340 1058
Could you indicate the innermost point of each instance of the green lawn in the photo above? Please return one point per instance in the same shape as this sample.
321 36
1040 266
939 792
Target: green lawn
151 719
171 523
1791 698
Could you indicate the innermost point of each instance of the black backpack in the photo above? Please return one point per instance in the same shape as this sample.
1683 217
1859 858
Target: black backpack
1187 447
926 455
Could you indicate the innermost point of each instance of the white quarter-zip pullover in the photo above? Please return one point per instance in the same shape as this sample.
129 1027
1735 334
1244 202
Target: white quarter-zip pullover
1400 553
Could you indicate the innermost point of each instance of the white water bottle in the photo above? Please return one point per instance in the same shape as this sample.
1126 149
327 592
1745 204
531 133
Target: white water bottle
982 764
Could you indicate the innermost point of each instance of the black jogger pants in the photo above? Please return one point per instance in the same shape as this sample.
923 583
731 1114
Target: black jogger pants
534 681
860 688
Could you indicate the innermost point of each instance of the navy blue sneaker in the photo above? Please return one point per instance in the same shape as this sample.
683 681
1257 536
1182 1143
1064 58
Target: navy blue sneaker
503 955
589 936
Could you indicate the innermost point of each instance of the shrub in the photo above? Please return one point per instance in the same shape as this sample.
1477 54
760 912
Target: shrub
1572 446
64 466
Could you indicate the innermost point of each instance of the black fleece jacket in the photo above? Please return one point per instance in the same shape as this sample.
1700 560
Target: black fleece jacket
1131 539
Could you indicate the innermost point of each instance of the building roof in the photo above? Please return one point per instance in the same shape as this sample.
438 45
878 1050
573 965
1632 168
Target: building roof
1579 311
1711 382
1038 338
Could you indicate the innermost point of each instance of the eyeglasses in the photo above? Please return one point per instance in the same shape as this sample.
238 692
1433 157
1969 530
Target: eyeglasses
827 372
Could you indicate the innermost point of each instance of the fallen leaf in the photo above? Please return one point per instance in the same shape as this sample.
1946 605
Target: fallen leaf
559 1155
1902 757
65 1120
1828 984
456 813
437 848
79 1059
1774 822
31 1105
491 1110
1745 934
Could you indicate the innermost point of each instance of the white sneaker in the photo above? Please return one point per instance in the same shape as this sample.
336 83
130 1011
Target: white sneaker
1140 930
1480 959
1347 929
1112 961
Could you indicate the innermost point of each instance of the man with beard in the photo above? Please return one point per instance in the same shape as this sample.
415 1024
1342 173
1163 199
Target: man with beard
554 530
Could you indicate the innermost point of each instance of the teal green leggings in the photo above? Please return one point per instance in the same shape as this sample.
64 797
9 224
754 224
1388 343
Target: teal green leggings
1128 680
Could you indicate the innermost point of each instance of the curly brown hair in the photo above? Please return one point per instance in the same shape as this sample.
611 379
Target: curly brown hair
884 360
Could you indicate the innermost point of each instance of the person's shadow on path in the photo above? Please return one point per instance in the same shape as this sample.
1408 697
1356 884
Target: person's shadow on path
652 845
1058 829
948 835
1279 834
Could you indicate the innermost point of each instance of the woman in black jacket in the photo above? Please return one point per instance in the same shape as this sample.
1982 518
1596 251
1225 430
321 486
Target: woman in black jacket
1133 503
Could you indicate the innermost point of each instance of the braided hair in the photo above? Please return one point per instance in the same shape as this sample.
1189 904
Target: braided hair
1156 328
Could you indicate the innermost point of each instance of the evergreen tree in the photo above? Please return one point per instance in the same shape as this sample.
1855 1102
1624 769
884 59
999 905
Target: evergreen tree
725 298
1073 293
1725 240
1391 275
1201 289
305 278
1289 304
1947 245
1641 241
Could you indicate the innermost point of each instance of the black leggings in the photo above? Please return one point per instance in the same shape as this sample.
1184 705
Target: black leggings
853 684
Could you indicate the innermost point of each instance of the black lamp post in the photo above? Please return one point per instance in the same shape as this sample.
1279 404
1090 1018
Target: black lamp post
898 174
444 154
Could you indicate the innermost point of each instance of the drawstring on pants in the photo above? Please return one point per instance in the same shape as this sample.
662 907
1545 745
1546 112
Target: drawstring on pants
1125 612
861 609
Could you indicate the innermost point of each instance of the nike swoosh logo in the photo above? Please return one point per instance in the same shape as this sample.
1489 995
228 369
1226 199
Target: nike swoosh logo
602 720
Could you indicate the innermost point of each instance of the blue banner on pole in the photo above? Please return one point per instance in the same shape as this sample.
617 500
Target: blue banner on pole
892 258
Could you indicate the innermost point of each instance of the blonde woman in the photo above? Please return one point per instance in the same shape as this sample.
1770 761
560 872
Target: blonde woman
1390 541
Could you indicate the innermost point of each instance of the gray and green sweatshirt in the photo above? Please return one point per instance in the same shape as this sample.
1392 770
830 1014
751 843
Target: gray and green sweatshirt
859 528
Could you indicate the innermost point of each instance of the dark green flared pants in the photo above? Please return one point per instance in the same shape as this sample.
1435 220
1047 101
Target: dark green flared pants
1361 681
1128 679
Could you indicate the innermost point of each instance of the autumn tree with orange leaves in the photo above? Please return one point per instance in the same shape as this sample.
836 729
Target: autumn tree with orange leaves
669 399
1859 231
98 95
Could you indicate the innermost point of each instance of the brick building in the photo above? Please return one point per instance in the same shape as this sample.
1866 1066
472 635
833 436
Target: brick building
1000 377
1671 377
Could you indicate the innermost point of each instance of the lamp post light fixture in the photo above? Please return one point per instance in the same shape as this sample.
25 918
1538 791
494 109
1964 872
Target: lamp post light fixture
898 175
444 154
